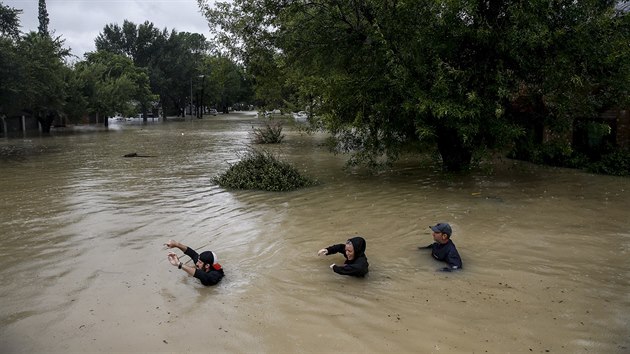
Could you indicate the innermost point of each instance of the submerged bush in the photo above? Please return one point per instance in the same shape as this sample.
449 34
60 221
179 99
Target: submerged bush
270 133
261 170
616 163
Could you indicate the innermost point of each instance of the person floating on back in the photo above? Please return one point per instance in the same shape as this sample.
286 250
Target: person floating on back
443 249
206 268
356 263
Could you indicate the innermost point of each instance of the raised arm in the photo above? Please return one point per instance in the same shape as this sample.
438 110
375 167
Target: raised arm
174 244
340 248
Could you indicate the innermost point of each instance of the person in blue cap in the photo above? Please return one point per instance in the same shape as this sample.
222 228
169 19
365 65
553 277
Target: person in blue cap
443 249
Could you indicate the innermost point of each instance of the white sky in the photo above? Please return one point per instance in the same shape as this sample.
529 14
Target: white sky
80 21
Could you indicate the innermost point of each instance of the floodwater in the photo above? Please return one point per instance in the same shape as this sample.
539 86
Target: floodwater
83 266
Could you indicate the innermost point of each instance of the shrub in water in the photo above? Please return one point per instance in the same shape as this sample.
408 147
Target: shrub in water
270 133
616 163
262 171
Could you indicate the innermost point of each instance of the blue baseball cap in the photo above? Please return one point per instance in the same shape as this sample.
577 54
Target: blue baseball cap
443 228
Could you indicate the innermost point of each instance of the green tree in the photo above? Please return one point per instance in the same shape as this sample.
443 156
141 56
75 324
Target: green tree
111 83
175 71
42 29
41 91
175 61
245 36
141 43
170 58
10 76
9 22
390 73
76 105
225 82
33 71
10 65
585 68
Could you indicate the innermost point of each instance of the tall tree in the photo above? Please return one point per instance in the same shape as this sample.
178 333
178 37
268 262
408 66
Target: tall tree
175 69
42 90
225 83
42 29
176 61
76 106
9 22
111 83
10 64
142 43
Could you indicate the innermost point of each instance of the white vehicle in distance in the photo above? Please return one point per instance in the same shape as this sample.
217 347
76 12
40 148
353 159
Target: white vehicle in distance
300 116
116 118
275 112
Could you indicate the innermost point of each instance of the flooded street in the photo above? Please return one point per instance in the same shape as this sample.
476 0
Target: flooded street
83 267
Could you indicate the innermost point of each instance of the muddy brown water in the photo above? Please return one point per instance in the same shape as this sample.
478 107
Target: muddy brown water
83 266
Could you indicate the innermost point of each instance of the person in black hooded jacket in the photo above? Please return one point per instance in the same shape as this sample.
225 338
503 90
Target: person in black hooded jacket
356 263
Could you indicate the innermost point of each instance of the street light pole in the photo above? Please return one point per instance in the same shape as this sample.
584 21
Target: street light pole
201 97
190 110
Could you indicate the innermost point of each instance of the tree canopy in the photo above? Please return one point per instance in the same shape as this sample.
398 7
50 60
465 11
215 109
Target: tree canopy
176 62
134 67
42 16
32 71
112 83
9 22
389 73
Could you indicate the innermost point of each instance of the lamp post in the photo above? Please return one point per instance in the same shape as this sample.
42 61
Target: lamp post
201 97
191 102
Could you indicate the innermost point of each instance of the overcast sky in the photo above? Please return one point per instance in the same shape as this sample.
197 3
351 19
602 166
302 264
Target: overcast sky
80 21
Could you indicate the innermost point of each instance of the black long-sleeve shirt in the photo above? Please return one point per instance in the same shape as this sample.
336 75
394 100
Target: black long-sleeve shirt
358 267
446 252
211 277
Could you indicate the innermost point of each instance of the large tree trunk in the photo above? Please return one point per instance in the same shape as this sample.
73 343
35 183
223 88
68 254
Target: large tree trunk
45 122
144 114
455 155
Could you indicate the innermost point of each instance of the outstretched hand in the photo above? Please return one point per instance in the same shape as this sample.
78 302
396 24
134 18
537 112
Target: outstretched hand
171 244
322 252
173 259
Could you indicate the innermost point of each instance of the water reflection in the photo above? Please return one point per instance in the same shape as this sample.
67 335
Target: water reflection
84 267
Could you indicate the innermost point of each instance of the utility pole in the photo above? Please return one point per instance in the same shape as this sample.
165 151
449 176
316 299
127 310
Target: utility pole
201 97
190 110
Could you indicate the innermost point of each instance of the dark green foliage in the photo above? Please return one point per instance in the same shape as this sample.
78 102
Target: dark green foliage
261 170
170 59
132 64
176 62
42 29
553 153
35 83
269 133
9 22
616 163
384 74
111 82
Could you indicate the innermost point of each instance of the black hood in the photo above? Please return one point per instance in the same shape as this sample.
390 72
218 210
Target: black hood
359 246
